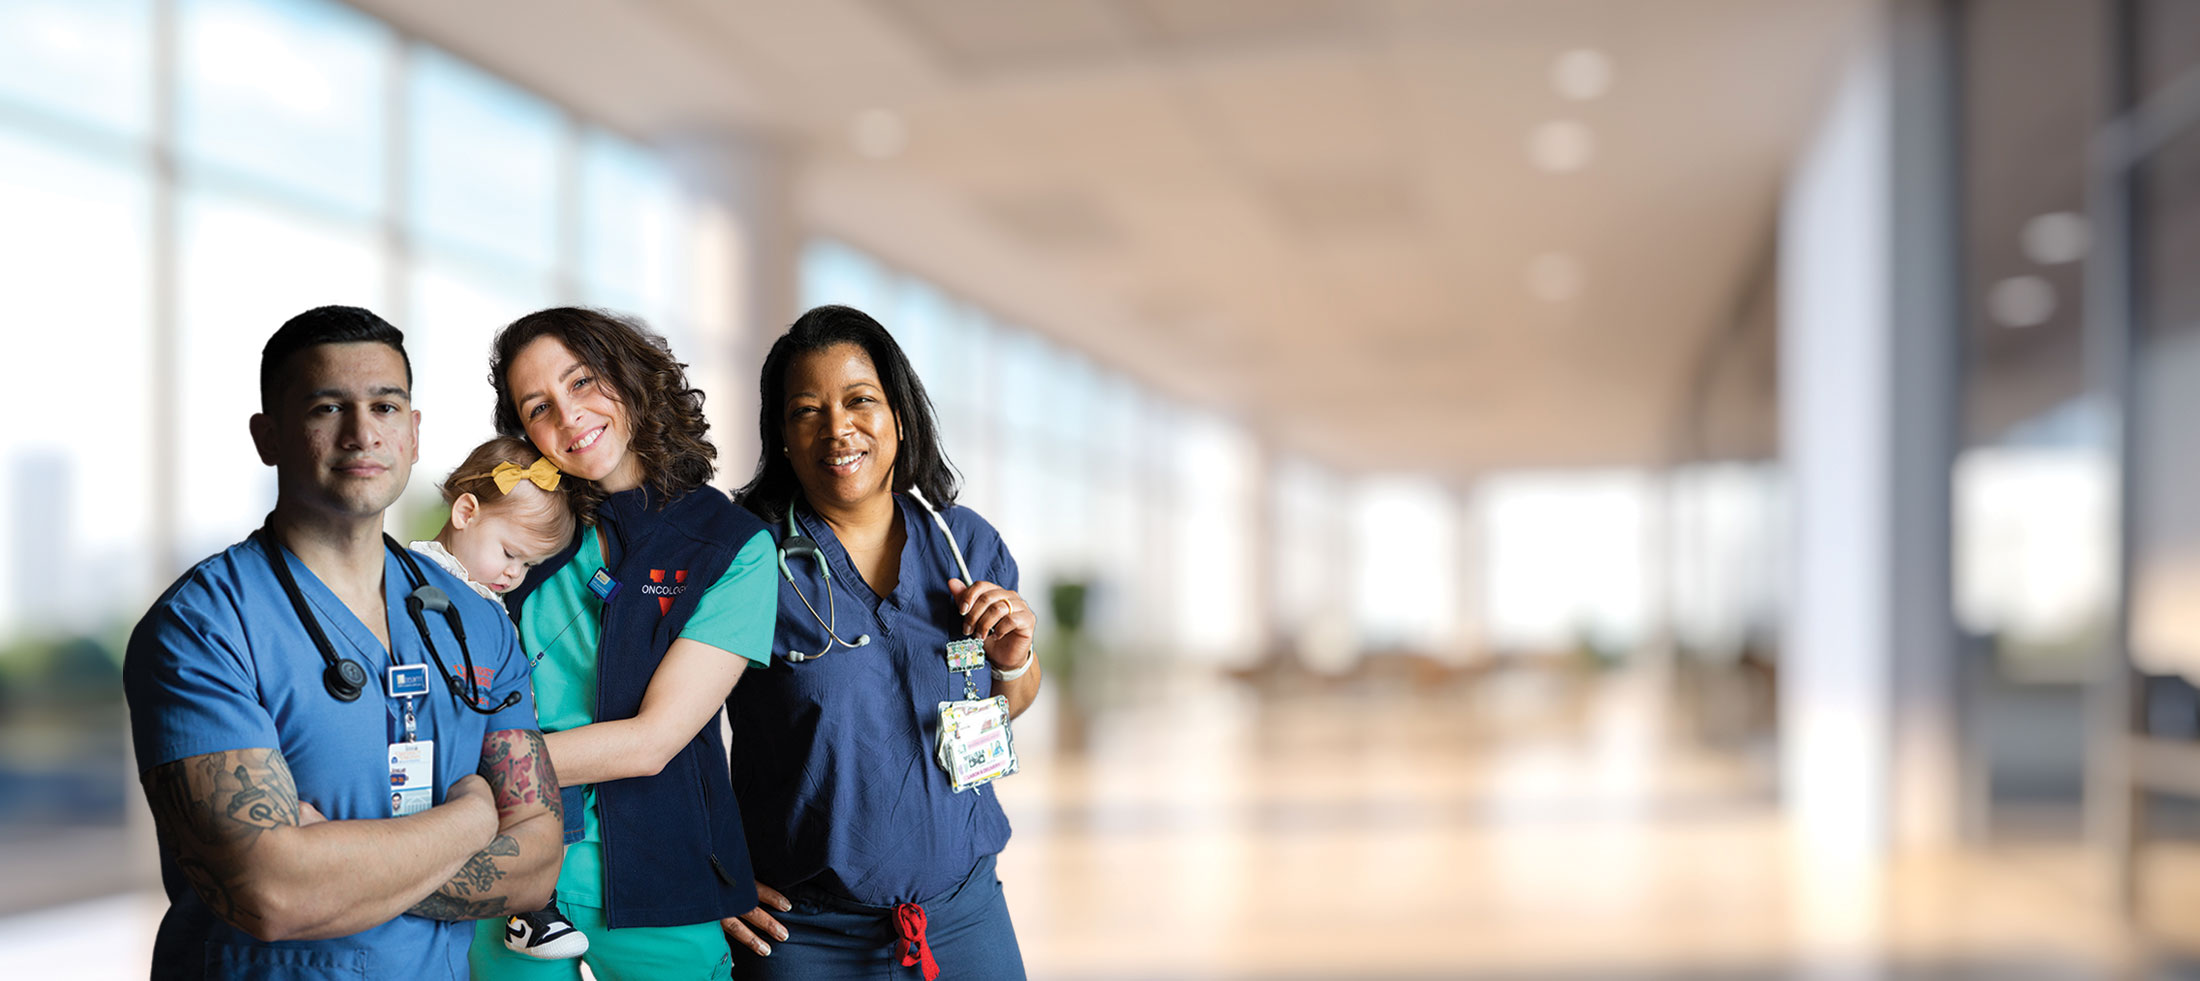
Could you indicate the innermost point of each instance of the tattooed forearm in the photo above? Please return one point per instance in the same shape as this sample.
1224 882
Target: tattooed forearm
441 907
546 778
481 872
271 801
210 811
517 767
468 895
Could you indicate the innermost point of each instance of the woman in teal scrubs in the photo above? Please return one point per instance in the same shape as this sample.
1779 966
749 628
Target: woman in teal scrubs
638 631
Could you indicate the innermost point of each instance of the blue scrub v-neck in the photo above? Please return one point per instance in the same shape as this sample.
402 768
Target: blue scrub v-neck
338 619
844 568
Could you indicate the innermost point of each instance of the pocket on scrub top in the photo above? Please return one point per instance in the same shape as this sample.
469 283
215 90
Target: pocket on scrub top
245 963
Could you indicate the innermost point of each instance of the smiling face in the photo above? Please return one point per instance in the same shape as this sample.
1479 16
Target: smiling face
498 543
342 434
841 435
572 415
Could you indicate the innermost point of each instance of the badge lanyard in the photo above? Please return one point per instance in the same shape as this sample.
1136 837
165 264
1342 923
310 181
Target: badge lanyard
412 761
976 744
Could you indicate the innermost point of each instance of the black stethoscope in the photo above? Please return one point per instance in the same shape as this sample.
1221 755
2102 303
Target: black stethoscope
801 546
345 679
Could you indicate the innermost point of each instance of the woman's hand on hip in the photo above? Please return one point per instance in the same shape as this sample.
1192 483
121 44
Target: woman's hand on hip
750 928
997 615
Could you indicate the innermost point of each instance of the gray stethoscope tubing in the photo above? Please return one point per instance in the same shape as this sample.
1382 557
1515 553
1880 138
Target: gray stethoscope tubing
801 545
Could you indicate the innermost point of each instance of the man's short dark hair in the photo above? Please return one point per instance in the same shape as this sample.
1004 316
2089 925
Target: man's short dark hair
325 325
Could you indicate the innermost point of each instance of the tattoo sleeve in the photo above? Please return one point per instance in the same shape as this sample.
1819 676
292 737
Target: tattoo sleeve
517 766
210 811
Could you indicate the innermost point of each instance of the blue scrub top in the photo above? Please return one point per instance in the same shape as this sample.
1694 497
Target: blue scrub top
835 759
222 663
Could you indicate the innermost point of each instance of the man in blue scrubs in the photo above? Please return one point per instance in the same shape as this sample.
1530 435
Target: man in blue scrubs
305 834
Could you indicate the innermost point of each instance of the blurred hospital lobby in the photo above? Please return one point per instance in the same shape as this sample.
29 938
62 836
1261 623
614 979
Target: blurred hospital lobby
1540 489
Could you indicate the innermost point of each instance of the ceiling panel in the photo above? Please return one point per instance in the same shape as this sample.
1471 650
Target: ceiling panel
1318 216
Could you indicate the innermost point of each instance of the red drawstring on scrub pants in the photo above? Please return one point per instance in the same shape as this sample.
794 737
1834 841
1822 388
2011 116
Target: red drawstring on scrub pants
909 922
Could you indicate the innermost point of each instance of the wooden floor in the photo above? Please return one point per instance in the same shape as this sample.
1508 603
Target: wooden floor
1517 826
1522 826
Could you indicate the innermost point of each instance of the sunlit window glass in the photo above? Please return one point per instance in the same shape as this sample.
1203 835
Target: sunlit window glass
246 268
916 320
85 62
456 313
1405 535
835 273
482 171
630 247
1214 465
962 389
1565 561
76 256
288 96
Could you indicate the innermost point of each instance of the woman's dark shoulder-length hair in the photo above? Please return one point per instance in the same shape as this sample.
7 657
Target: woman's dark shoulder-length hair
921 461
665 413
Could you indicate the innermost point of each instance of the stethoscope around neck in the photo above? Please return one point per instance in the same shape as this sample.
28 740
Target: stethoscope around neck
344 678
799 545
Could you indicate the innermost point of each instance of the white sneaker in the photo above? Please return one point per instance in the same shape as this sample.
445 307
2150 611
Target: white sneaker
545 933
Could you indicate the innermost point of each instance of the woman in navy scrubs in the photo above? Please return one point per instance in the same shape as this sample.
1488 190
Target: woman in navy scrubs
868 862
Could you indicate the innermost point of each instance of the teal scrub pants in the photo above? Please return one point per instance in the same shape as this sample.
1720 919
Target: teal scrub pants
697 950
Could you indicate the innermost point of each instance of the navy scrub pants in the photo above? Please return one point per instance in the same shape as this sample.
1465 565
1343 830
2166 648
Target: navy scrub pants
832 938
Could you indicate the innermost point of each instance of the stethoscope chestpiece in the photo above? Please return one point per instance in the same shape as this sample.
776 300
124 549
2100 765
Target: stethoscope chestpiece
345 680
797 657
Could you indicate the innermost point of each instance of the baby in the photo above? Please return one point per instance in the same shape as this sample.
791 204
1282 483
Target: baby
507 514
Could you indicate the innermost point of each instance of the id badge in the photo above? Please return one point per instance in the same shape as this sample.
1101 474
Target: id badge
967 654
408 680
976 745
412 777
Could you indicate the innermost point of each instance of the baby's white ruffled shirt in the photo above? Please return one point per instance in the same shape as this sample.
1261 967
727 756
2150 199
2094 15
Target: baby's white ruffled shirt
443 557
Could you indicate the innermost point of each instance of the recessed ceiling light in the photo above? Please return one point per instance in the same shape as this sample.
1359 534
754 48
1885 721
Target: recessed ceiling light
1555 277
879 134
2021 301
2055 238
1582 74
1561 146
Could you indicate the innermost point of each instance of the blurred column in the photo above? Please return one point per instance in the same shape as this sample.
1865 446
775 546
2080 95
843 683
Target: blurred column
1472 595
1262 642
748 248
1869 338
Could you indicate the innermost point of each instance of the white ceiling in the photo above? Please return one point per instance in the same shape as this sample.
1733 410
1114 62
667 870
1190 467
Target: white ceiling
1318 216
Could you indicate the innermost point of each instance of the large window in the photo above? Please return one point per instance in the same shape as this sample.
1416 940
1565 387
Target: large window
286 98
1567 566
74 250
317 157
78 64
1405 584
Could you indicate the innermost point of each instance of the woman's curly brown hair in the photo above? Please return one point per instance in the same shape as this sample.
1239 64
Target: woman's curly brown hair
664 412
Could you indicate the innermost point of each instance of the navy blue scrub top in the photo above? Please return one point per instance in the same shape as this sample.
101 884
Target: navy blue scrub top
222 663
835 759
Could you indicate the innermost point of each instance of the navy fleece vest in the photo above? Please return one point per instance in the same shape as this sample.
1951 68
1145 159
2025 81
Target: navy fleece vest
673 848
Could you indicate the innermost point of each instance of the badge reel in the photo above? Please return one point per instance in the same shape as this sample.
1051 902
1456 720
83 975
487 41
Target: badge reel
976 744
412 760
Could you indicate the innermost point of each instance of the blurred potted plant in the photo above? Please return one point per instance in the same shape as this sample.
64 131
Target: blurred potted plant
1067 602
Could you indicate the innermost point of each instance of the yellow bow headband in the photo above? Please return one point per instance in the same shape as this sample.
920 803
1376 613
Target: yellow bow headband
543 473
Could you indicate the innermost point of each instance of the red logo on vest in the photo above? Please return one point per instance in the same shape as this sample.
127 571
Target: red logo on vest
665 594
